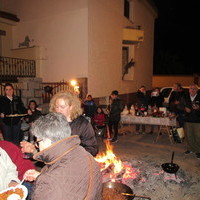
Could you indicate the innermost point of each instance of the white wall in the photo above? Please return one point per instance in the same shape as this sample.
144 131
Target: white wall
105 37
83 38
106 23
61 30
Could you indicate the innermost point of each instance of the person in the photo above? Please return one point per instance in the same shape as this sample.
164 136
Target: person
22 164
114 110
8 171
99 122
156 98
99 118
176 103
70 172
33 112
69 105
11 105
142 102
89 107
156 102
192 121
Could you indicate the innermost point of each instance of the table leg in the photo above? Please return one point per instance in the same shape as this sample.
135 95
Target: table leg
167 130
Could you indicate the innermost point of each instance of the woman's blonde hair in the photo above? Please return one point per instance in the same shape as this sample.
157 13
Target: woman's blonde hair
71 99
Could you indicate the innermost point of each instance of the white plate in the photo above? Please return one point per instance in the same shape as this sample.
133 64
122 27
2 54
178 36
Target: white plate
13 188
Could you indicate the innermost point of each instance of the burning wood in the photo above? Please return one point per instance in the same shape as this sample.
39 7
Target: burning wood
112 168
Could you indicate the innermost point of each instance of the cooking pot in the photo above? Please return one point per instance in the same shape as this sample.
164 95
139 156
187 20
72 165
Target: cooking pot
123 189
171 167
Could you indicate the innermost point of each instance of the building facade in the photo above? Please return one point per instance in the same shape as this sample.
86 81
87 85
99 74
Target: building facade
84 39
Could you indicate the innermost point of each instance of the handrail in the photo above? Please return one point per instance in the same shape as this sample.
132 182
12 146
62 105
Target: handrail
13 68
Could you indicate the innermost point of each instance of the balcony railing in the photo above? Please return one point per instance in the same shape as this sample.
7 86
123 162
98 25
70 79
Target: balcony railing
51 88
13 68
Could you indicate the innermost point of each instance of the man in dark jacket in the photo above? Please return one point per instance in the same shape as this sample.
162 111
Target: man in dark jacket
192 120
143 100
176 103
10 107
116 107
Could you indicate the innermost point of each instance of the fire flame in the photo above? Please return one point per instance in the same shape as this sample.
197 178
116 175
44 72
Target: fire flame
108 158
108 161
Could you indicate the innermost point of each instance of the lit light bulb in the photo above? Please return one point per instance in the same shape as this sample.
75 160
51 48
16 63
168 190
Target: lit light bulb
73 82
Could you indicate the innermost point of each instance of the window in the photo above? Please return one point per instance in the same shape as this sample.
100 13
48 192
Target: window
126 8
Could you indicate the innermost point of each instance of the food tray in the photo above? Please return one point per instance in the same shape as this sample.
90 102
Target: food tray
16 115
20 187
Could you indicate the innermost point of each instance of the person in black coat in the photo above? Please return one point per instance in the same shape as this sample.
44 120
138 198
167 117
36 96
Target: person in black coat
176 103
156 98
115 109
143 100
10 106
33 111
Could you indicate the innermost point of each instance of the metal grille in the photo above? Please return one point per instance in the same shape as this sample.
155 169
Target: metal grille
13 68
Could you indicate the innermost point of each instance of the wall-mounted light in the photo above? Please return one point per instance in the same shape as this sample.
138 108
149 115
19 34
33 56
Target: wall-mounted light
73 83
75 86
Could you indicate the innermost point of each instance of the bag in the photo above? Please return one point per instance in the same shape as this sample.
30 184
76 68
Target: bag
175 135
180 132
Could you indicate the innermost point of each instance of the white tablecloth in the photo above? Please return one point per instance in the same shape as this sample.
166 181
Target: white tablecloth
162 121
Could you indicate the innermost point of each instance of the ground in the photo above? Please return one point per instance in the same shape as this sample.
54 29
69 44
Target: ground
146 156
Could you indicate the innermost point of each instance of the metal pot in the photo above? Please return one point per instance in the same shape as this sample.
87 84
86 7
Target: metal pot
123 189
171 168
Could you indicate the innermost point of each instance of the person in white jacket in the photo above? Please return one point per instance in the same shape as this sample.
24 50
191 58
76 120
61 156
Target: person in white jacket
8 171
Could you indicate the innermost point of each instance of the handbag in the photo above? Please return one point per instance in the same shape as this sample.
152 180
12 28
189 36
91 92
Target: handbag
181 132
175 135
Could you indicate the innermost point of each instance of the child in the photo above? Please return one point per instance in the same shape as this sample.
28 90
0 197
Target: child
99 121
99 118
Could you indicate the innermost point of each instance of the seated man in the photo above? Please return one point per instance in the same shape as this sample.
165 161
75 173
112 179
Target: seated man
71 173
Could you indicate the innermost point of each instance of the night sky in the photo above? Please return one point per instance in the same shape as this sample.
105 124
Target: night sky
176 48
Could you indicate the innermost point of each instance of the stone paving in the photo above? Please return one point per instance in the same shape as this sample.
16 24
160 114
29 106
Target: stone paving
146 155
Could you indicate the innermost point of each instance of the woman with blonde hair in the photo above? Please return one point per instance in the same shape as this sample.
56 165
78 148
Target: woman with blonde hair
69 105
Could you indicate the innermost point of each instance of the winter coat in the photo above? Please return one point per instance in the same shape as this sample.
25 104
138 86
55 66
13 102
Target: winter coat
157 100
8 170
16 156
177 108
89 108
143 99
8 107
71 173
99 119
194 115
116 108
82 127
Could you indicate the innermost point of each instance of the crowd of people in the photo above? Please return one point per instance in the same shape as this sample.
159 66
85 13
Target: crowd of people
65 139
184 105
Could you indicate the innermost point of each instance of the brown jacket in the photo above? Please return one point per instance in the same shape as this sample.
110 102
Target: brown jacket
71 173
